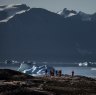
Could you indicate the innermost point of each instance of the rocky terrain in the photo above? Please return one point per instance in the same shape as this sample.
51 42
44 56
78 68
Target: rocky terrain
16 83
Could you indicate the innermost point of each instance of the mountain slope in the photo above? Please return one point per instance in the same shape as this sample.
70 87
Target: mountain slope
80 15
67 13
8 11
7 74
41 34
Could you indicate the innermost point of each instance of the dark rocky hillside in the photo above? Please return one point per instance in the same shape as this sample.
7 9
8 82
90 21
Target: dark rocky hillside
50 85
7 74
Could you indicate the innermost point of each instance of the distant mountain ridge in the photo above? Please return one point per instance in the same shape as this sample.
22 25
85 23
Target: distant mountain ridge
67 13
40 34
83 16
9 11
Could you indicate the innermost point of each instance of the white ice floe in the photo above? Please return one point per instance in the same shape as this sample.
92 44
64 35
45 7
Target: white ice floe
93 68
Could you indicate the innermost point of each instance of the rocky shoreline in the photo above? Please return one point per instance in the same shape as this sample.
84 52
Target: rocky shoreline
16 83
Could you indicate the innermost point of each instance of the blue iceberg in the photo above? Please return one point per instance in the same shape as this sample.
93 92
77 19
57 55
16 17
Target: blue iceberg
35 70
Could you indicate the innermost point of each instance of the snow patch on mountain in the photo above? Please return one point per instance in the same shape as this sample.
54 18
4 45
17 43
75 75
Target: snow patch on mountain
67 13
9 11
83 16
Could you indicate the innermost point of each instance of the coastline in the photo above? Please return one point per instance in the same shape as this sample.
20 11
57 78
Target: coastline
16 83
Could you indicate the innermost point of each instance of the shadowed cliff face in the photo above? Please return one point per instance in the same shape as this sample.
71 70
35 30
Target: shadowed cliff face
38 33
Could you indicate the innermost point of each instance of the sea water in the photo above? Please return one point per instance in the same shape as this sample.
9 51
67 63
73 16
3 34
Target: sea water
84 71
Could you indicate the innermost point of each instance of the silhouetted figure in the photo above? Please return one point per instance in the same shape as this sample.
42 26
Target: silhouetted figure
52 72
56 72
46 72
73 73
60 73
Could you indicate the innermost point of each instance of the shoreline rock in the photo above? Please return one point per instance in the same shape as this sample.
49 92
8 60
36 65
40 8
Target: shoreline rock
28 85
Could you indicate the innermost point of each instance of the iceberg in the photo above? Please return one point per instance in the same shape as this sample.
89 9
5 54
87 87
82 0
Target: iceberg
34 70
23 66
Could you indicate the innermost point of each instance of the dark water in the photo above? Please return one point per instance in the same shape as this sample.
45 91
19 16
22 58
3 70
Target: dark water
9 67
84 71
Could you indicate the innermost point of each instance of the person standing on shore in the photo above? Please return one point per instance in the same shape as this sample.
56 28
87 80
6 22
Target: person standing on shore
56 72
46 72
60 73
73 73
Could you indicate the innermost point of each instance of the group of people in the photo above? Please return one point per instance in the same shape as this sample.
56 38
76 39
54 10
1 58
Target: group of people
56 72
